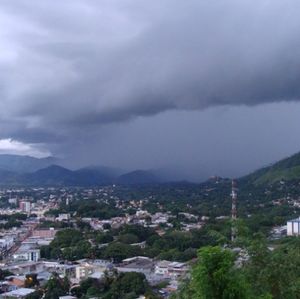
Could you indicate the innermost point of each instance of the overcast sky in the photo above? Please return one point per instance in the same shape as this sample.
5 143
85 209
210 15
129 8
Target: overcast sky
204 87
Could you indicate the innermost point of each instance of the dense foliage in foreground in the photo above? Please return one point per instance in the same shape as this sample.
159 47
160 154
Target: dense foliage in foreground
113 286
268 274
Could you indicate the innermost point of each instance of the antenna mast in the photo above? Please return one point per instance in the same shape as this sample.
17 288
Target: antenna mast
233 210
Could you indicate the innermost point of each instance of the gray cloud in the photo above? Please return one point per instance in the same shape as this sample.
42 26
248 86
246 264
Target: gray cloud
69 69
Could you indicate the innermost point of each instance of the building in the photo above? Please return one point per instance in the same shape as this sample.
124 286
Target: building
6 243
24 268
16 281
83 271
63 217
293 227
25 206
6 287
13 201
30 255
19 293
138 264
92 268
170 269
162 268
44 233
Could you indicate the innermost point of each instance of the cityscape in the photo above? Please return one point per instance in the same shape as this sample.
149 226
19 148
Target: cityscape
84 235
149 149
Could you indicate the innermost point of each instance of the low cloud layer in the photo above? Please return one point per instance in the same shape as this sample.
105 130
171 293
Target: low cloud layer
70 68
9 146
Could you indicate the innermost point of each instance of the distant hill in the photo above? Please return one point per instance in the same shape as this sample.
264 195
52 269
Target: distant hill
138 177
286 169
8 177
96 175
55 175
51 176
24 164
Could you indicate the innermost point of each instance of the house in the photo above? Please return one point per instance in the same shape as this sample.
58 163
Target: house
17 281
170 269
6 287
18 293
140 264
44 233
162 268
24 268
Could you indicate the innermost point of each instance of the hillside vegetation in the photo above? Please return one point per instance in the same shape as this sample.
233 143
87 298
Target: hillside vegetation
286 169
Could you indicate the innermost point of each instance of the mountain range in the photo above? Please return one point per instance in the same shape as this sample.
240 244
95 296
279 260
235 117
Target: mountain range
29 171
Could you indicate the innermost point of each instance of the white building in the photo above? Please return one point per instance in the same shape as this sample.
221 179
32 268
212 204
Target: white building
30 255
293 227
162 268
170 269
63 217
91 268
13 201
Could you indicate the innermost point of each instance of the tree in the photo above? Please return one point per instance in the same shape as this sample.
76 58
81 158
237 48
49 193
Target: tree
275 273
128 238
115 285
56 287
104 238
31 280
66 238
257 269
214 276
4 273
106 226
35 295
119 251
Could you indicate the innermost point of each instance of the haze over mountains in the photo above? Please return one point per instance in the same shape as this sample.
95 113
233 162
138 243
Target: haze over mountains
30 171
18 170
24 164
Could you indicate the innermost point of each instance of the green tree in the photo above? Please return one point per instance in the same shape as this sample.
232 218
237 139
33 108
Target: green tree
56 287
128 238
274 273
215 277
119 251
4 273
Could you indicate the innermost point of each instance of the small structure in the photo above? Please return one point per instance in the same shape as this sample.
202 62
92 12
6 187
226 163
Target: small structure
293 227
67 297
170 269
19 293
27 254
140 264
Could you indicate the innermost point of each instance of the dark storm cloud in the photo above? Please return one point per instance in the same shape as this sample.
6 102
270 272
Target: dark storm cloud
70 66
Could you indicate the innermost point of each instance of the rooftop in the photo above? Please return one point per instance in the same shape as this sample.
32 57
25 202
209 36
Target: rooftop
295 220
21 292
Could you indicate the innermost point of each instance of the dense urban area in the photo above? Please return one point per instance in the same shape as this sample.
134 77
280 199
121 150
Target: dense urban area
151 241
